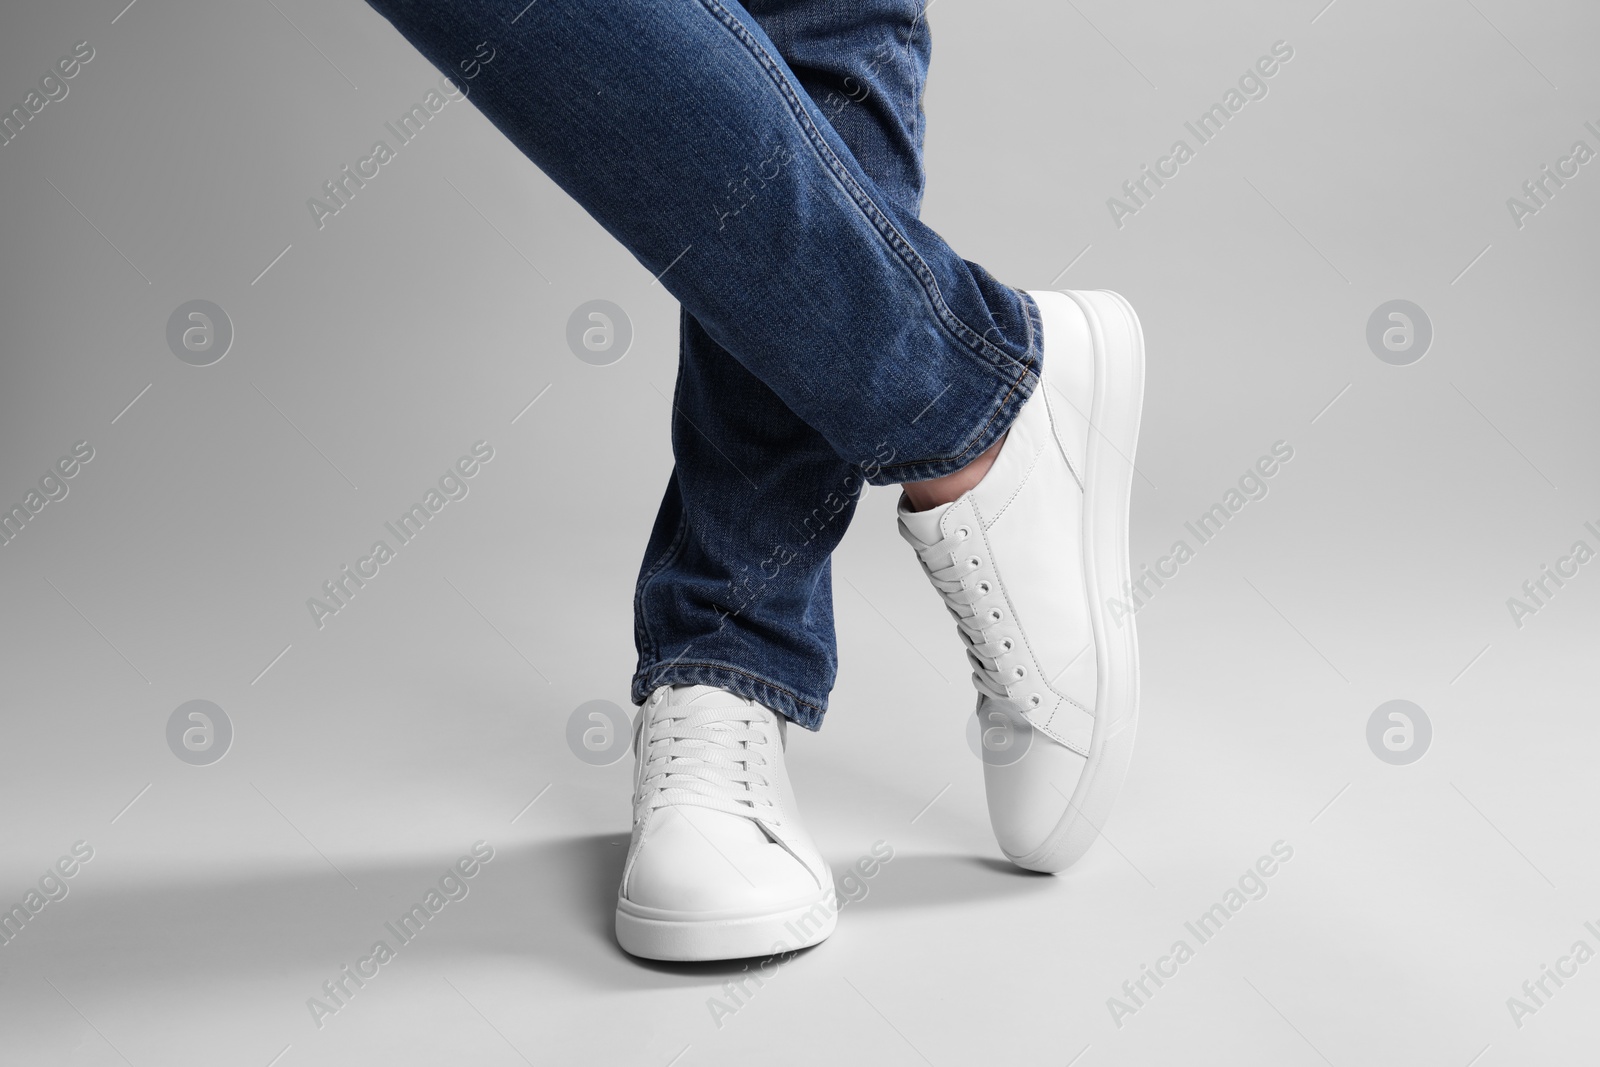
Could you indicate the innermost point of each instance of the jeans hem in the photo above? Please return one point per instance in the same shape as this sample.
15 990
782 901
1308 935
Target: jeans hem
800 710
994 426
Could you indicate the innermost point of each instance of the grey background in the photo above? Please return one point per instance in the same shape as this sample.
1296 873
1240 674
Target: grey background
427 715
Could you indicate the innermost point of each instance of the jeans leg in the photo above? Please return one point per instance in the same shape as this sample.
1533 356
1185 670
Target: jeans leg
830 339
735 589
736 585
867 326
863 64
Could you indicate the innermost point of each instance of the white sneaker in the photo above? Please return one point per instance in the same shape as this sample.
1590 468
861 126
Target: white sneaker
719 866
1025 562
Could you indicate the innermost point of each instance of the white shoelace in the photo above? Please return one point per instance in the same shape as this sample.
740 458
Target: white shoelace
949 563
710 757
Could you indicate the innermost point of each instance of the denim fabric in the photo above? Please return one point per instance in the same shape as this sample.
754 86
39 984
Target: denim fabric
765 161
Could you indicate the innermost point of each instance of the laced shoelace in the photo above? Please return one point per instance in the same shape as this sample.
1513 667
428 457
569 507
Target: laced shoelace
949 563
709 757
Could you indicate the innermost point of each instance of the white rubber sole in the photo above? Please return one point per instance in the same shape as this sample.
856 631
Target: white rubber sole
1108 493
654 934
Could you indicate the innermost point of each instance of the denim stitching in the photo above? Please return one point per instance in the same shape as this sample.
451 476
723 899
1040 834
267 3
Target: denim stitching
1029 311
647 643
765 683
917 465
674 550
918 88
960 331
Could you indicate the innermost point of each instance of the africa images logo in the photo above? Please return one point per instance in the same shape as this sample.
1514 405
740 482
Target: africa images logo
453 485
453 885
1252 486
1251 886
1252 85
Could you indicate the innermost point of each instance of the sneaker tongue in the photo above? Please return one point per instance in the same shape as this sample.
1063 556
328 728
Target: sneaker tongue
706 696
923 525
709 696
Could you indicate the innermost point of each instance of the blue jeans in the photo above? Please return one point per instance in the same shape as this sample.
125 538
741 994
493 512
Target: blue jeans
766 161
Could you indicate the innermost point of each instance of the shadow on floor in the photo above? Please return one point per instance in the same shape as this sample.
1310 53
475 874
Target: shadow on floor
548 905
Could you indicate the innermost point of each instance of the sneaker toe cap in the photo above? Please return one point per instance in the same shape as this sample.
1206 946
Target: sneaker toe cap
1029 798
700 860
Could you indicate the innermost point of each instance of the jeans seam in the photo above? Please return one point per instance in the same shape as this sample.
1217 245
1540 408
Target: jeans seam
979 436
914 104
680 536
1027 365
963 334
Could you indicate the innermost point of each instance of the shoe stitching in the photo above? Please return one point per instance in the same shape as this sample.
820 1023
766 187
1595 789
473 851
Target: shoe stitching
1028 474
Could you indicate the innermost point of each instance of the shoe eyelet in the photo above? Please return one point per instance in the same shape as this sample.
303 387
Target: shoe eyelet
963 532
1007 644
974 561
1035 700
1019 673
985 588
995 615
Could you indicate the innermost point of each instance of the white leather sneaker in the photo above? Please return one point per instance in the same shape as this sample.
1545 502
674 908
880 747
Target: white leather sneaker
719 866
1025 562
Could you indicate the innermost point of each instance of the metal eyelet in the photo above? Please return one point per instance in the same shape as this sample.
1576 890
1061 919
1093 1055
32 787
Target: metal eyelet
1020 672
995 615
984 588
1007 644
1035 700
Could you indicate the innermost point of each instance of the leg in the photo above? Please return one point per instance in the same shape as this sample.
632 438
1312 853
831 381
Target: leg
828 338
866 325
735 590
820 300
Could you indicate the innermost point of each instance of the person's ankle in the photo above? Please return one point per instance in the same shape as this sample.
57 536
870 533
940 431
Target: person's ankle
938 491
